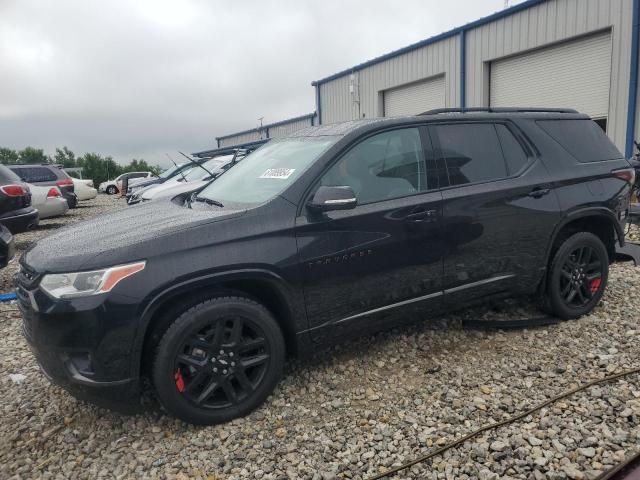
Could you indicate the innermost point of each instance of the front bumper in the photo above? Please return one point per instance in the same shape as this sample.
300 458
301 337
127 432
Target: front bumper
80 346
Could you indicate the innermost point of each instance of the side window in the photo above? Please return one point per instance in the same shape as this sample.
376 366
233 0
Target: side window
384 166
513 152
471 152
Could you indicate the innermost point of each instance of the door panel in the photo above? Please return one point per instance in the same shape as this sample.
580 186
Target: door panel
366 266
496 229
369 258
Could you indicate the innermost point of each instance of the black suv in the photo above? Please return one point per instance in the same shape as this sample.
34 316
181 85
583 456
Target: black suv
334 231
16 211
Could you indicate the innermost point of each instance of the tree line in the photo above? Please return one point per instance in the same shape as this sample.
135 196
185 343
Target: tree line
94 166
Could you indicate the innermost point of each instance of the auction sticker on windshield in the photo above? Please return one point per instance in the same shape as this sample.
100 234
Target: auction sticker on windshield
282 173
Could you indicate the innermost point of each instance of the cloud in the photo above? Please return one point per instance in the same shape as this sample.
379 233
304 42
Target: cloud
152 76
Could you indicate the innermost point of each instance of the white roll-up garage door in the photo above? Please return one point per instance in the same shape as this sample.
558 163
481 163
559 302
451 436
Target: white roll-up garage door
572 75
414 98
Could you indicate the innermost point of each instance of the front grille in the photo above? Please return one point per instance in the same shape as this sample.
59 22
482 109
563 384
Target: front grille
26 277
24 280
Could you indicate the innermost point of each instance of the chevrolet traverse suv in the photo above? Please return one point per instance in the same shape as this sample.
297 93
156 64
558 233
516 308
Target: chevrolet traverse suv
333 231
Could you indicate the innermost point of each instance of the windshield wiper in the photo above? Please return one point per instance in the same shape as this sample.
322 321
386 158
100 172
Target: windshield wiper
208 201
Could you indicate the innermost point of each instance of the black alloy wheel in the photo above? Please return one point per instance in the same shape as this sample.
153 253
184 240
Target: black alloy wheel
222 364
111 190
578 276
581 276
219 360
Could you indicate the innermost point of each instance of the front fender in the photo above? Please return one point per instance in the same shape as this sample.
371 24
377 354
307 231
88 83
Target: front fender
288 296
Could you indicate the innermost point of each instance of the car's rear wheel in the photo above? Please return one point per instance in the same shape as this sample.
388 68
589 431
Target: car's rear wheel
578 276
111 190
218 360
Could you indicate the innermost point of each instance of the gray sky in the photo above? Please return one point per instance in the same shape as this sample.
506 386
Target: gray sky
137 78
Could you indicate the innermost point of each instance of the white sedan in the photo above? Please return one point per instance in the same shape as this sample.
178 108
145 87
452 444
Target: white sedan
192 180
84 189
48 201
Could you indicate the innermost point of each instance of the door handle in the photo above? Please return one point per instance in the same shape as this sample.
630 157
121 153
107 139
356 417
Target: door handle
539 192
421 215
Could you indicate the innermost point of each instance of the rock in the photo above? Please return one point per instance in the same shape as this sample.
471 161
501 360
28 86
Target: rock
498 446
535 442
572 472
588 452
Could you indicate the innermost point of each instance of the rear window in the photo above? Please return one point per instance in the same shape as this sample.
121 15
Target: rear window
35 174
7 175
583 139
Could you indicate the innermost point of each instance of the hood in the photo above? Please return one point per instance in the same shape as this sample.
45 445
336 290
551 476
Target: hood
122 237
146 183
170 191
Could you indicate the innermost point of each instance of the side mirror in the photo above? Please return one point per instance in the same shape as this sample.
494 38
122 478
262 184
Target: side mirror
333 198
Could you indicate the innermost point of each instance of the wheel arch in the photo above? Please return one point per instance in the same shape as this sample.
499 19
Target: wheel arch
262 286
598 220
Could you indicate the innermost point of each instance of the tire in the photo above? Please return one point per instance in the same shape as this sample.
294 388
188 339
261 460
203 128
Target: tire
575 283
195 372
112 190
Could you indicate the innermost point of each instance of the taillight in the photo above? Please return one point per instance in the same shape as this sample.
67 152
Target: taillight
65 182
13 190
53 193
626 174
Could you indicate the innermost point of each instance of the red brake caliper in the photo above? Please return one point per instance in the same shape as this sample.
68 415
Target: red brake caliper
179 381
594 285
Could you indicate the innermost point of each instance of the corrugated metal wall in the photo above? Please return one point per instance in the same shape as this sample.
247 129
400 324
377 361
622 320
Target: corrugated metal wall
241 138
548 23
282 130
538 26
339 104
275 130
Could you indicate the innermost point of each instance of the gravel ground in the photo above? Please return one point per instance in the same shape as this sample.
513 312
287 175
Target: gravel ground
364 406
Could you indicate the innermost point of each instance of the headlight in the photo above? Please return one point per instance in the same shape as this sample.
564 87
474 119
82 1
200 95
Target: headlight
83 284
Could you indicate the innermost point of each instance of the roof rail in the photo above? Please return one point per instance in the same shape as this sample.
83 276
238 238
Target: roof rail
497 110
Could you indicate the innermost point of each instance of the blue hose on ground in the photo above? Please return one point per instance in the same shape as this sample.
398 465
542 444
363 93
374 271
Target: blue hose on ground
7 297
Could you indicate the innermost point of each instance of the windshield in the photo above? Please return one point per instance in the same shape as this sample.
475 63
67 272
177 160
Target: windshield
169 171
266 172
199 173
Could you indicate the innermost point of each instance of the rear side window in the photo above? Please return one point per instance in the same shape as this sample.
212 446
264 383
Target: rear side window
471 152
512 150
35 174
583 139
7 175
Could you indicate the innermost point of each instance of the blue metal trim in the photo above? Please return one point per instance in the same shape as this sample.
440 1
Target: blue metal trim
490 18
463 69
275 124
318 106
633 80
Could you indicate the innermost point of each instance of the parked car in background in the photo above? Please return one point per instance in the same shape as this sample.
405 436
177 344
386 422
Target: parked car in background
7 246
332 232
84 189
111 186
169 173
47 176
194 179
48 201
16 211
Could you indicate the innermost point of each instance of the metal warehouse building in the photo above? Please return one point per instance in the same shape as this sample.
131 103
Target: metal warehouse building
581 54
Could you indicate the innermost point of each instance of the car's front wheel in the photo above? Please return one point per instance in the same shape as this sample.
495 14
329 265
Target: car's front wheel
111 190
578 276
218 360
